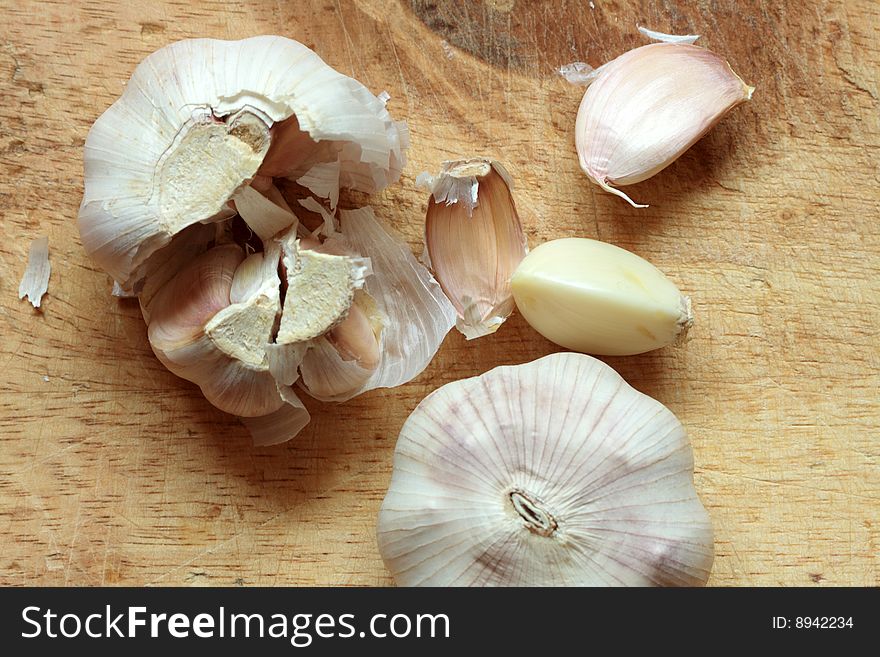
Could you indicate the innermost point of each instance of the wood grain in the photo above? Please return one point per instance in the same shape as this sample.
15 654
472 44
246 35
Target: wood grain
113 471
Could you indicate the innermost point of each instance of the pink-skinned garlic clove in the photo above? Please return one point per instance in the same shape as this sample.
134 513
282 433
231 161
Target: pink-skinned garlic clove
474 241
649 106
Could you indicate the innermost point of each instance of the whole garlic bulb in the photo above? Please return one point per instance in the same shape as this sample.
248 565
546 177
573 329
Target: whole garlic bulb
551 473
649 106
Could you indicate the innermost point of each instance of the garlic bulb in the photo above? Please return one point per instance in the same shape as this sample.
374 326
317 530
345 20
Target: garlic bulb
595 297
474 241
202 186
649 106
200 118
551 473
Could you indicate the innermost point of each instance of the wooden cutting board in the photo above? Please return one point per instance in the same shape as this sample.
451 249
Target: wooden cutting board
113 471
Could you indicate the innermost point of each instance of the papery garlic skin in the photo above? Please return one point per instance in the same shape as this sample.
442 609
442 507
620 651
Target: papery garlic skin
649 106
551 473
35 281
200 118
474 240
597 298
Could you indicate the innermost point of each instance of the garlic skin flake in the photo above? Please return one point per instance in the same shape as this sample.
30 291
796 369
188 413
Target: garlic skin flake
668 38
649 106
35 281
551 473
474 240
597 298
200 119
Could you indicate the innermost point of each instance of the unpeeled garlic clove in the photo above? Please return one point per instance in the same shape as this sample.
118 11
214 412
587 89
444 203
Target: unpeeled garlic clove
356 337
649 106
597 298
474 240
551 473
201 336
320 290
404 306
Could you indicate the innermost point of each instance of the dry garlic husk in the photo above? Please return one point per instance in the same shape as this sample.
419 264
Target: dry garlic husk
474 240
35 281
595 297
649 106
551 473
200 118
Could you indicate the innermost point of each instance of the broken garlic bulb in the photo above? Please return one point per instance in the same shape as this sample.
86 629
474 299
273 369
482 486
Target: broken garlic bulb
551 473
191 180
200 118
474 240
649 106
597 298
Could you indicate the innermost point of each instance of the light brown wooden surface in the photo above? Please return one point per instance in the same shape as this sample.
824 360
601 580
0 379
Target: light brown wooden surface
113 471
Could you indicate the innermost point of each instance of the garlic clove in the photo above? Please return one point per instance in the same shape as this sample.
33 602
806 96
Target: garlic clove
356 338
595 297
197 123
167 262
184 305
248 277
405 305
201 337
320 290
551 473
474 241
649 106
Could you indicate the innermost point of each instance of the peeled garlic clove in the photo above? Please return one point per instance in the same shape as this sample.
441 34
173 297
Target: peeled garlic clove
649 106
552 473
474 241
200 119
409 314
598 298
